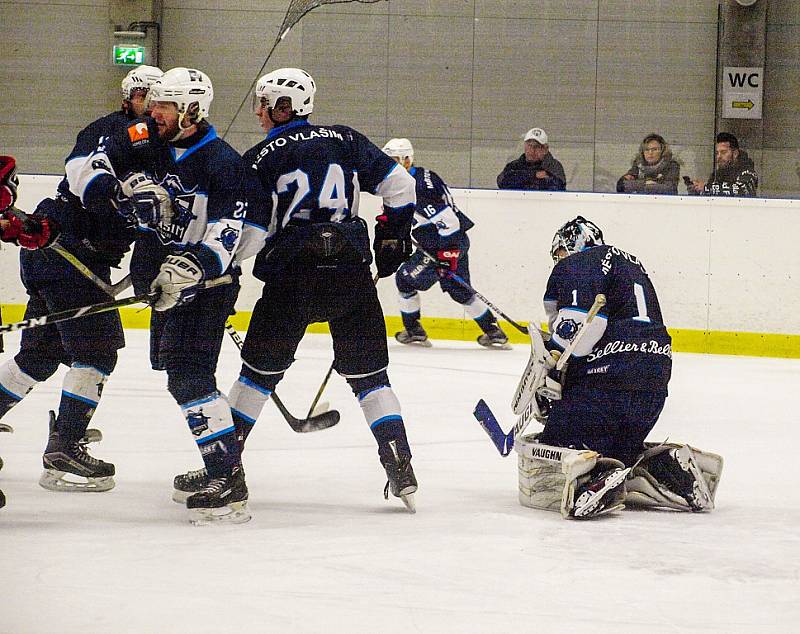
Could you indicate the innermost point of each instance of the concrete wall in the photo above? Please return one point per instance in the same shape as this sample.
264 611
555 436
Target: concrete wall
463 79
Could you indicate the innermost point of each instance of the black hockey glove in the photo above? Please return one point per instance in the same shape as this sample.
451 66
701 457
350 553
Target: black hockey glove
392 245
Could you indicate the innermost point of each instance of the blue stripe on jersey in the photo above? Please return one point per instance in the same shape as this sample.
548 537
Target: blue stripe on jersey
210 136
288 126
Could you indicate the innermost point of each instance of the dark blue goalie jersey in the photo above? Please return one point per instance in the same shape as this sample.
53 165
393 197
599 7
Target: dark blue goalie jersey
312 175
627 345
438 223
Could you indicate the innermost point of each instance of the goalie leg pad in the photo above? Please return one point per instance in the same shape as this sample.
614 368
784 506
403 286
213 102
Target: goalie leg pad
675 476
550 477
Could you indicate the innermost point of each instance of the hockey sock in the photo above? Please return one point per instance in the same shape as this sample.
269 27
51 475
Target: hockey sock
80 394
247 399
382 412
476 309
14 385
410 309
209 419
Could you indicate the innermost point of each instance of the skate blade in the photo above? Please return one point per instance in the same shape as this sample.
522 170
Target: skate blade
63 482
420 344
7 428
181 496
497 346
235 513
408 501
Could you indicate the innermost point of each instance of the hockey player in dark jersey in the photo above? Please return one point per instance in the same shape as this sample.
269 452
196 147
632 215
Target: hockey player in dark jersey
92 232
315 265
614 389
191 235
440 229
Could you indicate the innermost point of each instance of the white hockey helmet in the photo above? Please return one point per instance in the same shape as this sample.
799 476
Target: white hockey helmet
399 148
140 78
575 236
184 87
294 83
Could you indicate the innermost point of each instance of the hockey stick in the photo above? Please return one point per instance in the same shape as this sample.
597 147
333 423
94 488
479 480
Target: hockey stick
461 282
504 442
328 374
321 421
111 289
93 309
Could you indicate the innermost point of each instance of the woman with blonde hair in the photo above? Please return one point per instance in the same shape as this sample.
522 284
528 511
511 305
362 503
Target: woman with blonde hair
654 171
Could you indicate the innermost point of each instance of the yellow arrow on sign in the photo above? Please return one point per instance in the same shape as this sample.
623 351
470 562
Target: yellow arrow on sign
749 105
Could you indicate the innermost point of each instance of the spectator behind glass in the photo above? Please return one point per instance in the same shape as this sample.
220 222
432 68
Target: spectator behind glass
536 169
735 174
654 171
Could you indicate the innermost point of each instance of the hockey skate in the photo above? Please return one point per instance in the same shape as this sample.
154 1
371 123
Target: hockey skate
221 500
602 494
189 483
62 460
414 335
494 338
401 480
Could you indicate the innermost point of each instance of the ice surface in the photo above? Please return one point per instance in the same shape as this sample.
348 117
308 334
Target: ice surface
325 553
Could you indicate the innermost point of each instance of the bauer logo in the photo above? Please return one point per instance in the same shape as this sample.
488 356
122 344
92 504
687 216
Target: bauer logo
138 132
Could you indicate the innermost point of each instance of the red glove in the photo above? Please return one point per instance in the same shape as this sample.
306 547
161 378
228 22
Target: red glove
29 232
447 260
8 182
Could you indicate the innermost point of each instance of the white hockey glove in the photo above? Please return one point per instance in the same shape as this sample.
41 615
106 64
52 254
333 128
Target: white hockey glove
145 201
177 282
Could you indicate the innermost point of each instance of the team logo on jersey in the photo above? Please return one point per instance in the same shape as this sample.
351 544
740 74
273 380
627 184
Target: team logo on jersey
228 238
182 214
567 329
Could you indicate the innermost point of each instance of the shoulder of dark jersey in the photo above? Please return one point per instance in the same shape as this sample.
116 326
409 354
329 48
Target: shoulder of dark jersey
583 259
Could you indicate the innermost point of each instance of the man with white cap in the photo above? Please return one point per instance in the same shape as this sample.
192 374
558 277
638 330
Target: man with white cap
536 169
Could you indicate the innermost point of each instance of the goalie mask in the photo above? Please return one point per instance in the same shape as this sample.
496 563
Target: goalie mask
140 78
189 89
293 83
399 149
575 236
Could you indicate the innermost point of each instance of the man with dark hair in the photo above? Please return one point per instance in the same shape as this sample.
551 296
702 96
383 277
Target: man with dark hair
734 173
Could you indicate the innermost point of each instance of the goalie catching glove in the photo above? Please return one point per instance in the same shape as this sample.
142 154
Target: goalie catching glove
145 201
178 281
392 245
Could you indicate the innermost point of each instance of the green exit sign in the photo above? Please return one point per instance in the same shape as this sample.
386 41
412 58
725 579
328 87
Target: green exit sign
128 55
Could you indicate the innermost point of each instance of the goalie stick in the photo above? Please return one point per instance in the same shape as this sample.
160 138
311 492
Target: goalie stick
504 442
321 421
461 282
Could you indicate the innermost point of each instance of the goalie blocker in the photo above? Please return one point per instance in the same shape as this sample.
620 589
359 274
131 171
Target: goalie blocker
582 484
